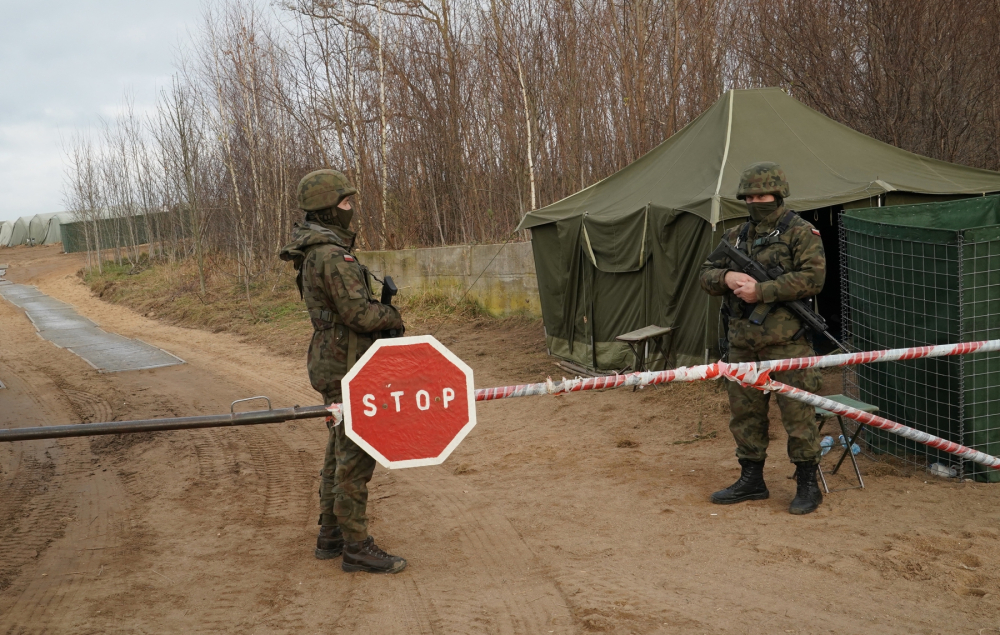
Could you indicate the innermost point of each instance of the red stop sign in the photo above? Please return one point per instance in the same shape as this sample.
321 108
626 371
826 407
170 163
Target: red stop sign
409 401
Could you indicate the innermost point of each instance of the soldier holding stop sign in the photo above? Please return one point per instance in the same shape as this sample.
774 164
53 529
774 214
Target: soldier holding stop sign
346 319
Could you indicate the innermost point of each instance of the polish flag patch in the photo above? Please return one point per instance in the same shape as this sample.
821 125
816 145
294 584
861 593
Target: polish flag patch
815 231
350 258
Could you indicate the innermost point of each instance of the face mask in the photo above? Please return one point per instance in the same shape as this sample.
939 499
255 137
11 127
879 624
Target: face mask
344 217
760 211
332 216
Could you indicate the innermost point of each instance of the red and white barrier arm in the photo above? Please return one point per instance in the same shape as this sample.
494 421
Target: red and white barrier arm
892 355
881 423
757 375
695 373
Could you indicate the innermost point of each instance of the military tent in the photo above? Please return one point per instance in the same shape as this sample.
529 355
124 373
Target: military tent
53 229
38 228
19 231
625 252
6 229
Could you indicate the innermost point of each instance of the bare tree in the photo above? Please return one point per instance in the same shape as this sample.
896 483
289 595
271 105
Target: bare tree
455 118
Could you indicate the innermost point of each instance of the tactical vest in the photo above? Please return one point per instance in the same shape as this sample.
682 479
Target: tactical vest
758 311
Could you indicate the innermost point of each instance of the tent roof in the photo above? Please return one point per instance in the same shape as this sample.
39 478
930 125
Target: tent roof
53 231
19 231
43 219
698 169
39 226
61 217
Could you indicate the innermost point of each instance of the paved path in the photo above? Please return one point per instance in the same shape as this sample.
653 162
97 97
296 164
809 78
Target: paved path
59 323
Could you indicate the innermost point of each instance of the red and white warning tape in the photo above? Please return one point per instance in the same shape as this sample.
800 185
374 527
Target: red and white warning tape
747 372
883 424
762 381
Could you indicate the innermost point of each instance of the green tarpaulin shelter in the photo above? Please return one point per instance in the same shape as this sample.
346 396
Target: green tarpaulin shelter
111 232
624 253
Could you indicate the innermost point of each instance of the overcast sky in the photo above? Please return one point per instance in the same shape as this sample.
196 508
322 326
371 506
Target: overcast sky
63 66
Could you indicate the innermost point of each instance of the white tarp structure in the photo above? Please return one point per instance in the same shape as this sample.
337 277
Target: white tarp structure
19 232
40 229
38 226
53 229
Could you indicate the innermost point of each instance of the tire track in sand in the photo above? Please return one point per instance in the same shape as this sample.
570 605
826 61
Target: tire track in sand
285 500
74 567
508 591
90 408
63 512
69 525
25 508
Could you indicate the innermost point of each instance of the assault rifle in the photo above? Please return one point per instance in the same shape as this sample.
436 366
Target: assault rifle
389 291
742 262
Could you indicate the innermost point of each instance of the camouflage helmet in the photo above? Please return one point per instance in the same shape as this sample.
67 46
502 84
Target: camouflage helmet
323 189
763 178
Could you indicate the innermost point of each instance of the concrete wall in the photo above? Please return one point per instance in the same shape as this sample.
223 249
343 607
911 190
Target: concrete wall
508 286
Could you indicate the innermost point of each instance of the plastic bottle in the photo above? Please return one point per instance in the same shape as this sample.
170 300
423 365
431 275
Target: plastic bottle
940 469
825 444
854 446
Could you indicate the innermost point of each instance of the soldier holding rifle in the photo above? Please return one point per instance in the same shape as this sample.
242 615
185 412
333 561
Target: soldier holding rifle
761 328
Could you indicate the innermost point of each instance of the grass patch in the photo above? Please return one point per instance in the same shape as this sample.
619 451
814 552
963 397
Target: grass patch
273 315
437 305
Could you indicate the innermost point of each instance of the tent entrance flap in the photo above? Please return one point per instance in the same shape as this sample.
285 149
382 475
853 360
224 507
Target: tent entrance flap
598 255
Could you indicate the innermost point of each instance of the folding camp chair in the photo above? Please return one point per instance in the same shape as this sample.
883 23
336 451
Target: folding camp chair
851 438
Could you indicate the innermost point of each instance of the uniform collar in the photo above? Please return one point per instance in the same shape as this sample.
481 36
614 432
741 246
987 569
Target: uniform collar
342 236
767 225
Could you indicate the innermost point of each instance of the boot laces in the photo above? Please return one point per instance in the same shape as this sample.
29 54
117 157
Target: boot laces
804 477
374 549
746 477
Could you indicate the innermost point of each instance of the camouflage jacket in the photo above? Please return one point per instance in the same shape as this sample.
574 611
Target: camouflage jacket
799 252
337 293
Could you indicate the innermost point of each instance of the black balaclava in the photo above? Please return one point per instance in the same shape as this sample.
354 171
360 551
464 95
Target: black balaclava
760 211
332 216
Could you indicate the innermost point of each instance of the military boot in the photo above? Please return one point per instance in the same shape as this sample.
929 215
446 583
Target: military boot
807 493
366 556
330 542
749 487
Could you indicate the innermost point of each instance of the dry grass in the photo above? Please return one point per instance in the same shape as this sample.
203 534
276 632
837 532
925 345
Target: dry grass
274 316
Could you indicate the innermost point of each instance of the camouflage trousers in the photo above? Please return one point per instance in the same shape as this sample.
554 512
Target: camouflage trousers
748 407
343 489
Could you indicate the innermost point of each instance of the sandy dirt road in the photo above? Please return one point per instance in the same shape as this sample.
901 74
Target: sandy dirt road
564 514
